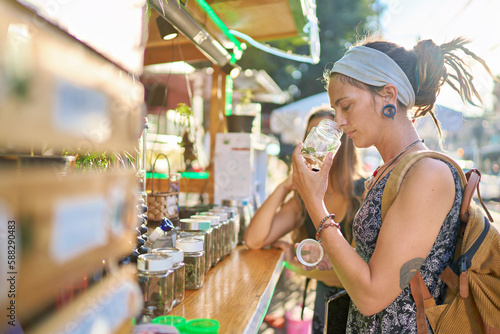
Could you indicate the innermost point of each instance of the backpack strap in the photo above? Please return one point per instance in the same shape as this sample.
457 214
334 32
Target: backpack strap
419 290
469 183
398 174
473 177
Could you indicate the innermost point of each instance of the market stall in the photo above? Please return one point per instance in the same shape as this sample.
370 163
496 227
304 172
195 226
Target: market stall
74 162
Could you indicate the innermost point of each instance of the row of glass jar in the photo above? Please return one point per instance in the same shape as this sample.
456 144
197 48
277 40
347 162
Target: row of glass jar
219 229
165 274
201 241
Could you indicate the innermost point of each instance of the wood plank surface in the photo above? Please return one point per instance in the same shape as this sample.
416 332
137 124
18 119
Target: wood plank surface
237 291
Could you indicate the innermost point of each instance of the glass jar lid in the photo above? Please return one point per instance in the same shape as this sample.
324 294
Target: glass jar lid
189 224
224 215
189 244
309 252
230 202
154 262
202 325
176 254
214 220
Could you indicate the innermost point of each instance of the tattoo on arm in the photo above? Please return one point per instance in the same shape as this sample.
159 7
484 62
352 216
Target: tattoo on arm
408 270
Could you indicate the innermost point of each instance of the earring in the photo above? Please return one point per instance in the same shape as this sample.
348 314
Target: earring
389 110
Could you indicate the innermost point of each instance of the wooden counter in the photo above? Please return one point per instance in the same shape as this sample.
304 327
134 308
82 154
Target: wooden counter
237 291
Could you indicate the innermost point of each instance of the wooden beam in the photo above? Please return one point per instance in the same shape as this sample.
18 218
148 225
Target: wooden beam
158 54
217 120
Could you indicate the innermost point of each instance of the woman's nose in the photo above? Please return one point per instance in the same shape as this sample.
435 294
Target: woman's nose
340 119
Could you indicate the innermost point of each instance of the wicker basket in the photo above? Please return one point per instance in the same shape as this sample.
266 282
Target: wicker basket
162 204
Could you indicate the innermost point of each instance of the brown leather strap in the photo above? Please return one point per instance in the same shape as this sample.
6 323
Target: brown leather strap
463 285
490 330
473 177
398 174
418 290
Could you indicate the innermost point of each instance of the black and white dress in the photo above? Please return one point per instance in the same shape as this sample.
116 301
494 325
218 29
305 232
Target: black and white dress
400 315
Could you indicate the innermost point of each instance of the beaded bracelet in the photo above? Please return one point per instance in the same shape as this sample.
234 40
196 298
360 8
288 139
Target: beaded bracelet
321 227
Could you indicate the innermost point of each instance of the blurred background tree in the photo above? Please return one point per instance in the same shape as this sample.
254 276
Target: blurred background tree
341 23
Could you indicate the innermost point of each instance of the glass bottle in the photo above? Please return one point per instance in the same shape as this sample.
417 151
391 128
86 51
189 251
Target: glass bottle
217 241
156 280
323 138
194 258
202 229
179 269
162 236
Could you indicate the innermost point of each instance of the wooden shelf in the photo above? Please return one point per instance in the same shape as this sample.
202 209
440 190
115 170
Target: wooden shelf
237 291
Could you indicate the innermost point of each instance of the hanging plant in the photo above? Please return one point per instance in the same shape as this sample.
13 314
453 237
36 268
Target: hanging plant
183 115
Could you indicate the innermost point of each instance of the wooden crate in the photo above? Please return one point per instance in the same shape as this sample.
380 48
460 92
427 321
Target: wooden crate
57 92
65 227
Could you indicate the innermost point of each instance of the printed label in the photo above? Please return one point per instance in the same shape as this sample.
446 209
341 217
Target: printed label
82 112
79 226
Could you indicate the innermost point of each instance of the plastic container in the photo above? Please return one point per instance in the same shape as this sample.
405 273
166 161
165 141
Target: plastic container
179 269
194 258
163 235
201 326
323 138
203 229
217 241
171 320
157 329
295 325
310 252
156 280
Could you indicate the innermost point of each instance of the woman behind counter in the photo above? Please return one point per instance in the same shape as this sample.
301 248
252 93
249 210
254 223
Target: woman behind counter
275 218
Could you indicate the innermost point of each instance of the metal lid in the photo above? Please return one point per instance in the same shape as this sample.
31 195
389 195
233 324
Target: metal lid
189 224
230 202
214 220
224 215
189 244
154 262
232 209
176 254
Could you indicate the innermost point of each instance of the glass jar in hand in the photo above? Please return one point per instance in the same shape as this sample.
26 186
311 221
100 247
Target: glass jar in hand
321 139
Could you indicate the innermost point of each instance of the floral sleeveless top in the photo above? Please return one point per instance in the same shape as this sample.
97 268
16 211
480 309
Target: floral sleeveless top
400 315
